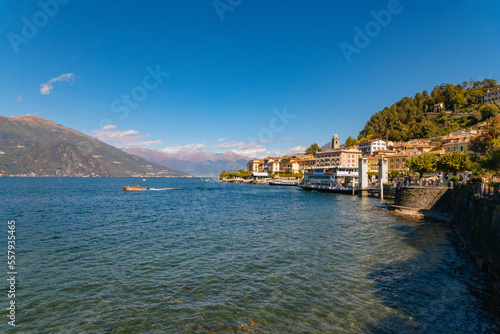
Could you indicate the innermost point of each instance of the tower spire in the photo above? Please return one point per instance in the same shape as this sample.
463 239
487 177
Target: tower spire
335 142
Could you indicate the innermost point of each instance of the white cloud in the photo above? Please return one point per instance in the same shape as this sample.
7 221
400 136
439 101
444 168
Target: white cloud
222 139
232 144
190 147
123 139
294 150
47 87
246 148
19 98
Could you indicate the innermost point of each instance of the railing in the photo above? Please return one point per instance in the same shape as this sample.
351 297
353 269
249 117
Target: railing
483 190
415 182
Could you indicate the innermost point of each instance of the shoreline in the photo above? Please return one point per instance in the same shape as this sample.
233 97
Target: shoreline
492 276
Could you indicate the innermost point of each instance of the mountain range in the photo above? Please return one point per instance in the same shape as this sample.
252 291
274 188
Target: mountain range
34 146
198 163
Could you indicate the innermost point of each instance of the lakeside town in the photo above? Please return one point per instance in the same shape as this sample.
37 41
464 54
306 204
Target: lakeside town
231 166
452 156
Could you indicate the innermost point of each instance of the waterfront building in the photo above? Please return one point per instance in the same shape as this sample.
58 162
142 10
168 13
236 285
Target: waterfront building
456 145
255 166
492 96
289 165
297 163
418 145
372 164
272 165
463 133
306 164
398 162
368 147
250 166
384 153
345 157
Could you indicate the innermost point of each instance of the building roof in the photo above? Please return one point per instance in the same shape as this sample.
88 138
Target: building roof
493 90
339 150
438 152
371 141
456 142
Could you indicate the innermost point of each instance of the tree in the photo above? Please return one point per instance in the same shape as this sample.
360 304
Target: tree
313 149
422 163
232 174
436 148
488 110
477 95
351 141
454 162
486 147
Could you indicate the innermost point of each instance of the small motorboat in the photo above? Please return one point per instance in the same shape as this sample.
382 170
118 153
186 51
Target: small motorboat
129 188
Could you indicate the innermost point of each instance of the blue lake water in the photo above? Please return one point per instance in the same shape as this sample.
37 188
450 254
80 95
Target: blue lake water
227 258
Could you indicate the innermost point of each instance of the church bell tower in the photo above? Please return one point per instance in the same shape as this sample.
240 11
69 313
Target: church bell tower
335 142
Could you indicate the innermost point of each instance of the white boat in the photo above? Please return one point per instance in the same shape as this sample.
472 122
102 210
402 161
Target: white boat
284 181
329 179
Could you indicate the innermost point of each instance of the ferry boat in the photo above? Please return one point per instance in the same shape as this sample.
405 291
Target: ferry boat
329 179
284 181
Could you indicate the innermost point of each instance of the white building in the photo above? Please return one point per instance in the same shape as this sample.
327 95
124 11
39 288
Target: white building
368 147
338 158
272 165
492 96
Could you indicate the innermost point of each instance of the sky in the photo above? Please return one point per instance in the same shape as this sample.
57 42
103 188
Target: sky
255 77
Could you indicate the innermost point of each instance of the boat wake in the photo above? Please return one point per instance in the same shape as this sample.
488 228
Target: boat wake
157 189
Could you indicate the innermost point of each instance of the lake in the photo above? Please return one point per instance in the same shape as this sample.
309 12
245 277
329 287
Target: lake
208 257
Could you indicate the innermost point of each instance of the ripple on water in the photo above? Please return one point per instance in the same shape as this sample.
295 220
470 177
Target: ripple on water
224 258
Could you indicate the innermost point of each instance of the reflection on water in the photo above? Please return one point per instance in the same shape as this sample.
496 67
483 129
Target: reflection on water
224 258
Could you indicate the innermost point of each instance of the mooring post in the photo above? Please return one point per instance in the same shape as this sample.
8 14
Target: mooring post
381 189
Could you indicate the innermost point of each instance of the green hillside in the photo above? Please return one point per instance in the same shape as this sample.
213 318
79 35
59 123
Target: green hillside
411 118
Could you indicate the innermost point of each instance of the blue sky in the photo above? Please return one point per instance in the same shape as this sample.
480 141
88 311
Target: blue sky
256 77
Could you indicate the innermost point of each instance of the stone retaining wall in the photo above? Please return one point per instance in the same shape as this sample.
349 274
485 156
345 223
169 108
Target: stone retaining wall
478 220
426 198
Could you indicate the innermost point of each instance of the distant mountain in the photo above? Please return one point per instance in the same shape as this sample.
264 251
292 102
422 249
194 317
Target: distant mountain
327 146
35 146
197 163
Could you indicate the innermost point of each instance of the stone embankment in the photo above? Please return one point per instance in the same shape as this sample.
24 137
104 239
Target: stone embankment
248 181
